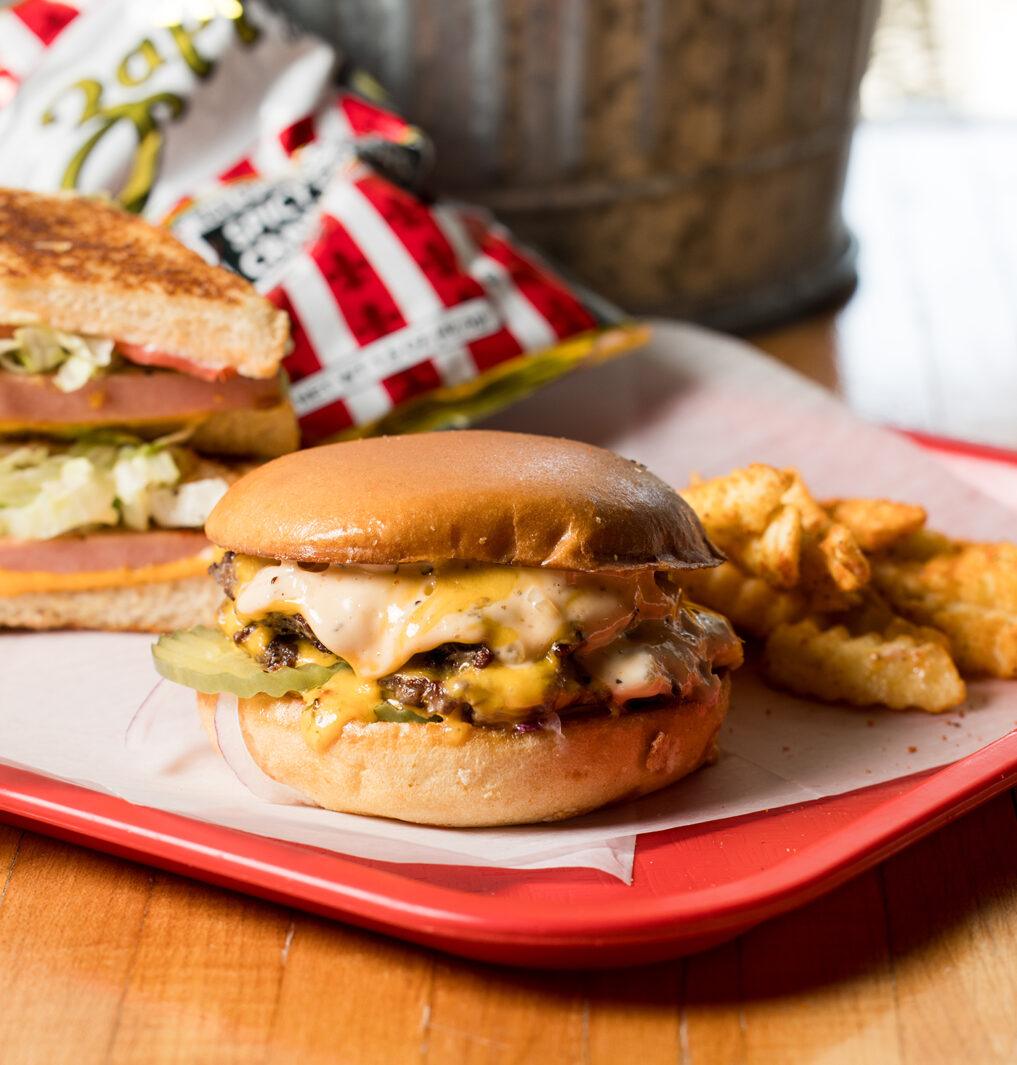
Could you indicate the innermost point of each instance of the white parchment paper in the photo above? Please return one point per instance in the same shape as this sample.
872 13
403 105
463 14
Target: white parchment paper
692 401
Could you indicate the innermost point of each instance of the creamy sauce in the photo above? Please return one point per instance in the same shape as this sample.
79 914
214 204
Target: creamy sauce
376 618
501 694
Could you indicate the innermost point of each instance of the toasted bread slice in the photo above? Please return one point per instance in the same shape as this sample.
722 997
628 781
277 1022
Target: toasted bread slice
158 607
84 266
256 434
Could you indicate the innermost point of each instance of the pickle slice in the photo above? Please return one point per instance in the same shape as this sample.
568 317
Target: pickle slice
206 660
388 712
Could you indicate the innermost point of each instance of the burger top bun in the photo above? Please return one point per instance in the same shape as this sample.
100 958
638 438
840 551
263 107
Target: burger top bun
475 495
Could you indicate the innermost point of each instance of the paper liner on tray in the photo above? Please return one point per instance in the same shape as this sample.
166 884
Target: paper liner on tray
693 401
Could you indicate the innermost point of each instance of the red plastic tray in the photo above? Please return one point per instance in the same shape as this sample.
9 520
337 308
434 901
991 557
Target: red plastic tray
693 887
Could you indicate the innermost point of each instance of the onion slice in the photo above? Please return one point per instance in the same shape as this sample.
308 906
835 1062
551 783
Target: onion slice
552 724
234 750
162 735
145 718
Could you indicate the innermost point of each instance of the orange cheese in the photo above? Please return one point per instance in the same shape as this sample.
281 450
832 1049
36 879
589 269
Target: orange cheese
14 582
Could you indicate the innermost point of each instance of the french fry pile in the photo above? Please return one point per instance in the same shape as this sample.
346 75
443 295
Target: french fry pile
855 599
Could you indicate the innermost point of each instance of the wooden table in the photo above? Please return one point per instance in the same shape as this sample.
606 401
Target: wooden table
104 961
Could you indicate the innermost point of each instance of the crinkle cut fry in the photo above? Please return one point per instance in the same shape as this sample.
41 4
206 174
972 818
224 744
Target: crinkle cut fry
814 518
979 574
876 524
982 641
845 562
768 523
742 501
969 592
774 554
898 672
870 565
752 606
875 614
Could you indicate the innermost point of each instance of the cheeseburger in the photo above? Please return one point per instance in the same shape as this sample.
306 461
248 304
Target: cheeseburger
460 628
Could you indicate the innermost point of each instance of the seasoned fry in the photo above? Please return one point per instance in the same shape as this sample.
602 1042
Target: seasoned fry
888 602
814 518
920 546
775 554
983 641
742 502
898 671
819 585
753 607
876 524
844 559
764 519
969 594
980 574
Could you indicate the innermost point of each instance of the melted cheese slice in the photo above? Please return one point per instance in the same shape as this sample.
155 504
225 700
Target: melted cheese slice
377 618
17 582
345 697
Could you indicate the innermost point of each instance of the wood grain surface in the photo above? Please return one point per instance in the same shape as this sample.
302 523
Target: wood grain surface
104 962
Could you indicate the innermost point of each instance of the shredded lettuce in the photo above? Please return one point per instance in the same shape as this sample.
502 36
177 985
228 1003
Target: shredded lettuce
136 473
43 349
43 495
187 505
47 490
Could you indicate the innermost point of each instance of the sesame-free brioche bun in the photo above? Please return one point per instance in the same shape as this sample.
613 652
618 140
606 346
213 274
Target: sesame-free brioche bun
495 777
495 497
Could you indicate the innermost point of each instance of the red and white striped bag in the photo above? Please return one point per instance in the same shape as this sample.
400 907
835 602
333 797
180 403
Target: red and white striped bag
264 152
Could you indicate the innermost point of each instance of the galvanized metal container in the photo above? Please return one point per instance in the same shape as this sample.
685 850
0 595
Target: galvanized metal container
684 157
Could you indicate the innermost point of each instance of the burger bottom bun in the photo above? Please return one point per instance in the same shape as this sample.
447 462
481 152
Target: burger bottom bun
413 773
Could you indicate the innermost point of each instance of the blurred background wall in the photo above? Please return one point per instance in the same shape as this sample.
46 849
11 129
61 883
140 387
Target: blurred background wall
943 58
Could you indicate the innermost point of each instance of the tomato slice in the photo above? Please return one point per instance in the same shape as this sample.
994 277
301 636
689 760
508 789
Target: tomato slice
145 355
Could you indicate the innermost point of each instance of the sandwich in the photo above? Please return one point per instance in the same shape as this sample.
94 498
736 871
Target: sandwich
137 381
458 628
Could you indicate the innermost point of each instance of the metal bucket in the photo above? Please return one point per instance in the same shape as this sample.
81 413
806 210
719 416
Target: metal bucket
683 157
